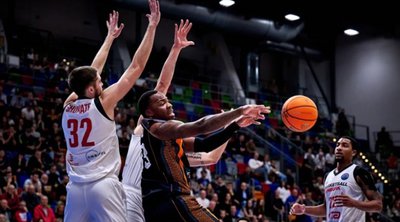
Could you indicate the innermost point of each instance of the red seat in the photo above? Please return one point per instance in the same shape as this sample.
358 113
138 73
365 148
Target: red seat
241 168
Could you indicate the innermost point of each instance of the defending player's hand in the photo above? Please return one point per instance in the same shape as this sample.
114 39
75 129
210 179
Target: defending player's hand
155 15
181 32
112 25
297 209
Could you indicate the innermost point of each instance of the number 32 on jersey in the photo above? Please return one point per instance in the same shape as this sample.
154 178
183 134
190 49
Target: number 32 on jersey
74 125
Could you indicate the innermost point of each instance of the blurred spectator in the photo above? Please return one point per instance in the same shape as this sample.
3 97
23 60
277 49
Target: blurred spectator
248 210
278 207
393 166
203 180
342 125
35 181
18 164
30 197
59 212
22 214
12 197
243 194
330 160
5 209
199 173
42 212
384 143
3 96
220 188
202 198
212 207
3 218
54 175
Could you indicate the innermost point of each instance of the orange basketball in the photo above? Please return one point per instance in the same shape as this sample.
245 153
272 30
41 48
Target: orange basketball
299 113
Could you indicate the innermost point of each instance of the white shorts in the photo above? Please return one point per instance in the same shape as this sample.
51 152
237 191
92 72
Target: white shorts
134 206
103 200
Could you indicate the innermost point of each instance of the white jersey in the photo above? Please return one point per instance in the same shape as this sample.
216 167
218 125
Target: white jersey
92 142
132 172
343 183
131 179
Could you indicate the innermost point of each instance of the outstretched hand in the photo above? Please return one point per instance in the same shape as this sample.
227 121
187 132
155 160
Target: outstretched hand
245 121
255 111
181 32
155 15
112 25
297 209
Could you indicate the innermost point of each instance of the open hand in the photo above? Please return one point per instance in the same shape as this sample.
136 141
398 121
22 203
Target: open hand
155 15
181 33
112 25
245 121
256 111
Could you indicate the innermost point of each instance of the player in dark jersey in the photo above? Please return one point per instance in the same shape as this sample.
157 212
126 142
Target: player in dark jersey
165 185
349 189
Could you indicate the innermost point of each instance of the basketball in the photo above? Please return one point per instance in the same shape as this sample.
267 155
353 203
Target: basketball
299 113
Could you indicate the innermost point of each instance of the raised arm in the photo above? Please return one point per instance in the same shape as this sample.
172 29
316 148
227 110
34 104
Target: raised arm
101 57
167 72
113 32
117 91
180 42
175 129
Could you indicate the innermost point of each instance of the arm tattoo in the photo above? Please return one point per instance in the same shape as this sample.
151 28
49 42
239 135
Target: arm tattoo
196 156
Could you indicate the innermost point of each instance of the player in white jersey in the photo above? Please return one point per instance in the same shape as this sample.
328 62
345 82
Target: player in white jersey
94 192
349 189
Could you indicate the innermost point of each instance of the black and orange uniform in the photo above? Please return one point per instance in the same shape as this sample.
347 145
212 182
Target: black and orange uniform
165 184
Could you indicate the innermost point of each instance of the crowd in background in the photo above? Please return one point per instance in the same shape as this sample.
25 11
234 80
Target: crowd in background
248 181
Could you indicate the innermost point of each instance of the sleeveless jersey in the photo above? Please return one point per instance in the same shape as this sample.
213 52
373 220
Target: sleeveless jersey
92 142
132 171
164 165
345 183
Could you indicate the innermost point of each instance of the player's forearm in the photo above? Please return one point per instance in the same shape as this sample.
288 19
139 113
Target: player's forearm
374 206
101 56
198 159
204 159
142 54
216 154
167 72
214 122
316 211
216 139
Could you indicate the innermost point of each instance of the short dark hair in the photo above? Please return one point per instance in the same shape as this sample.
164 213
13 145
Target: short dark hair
80 78
144 101
354 143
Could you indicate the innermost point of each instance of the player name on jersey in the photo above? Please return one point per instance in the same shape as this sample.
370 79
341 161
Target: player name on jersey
83 108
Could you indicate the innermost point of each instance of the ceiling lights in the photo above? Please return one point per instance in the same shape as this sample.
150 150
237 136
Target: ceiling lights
226 3
292 17
351 32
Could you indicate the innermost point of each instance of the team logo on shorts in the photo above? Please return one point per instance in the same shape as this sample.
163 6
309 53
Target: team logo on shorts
345 176
93 154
